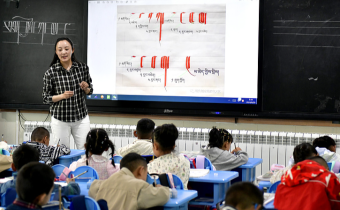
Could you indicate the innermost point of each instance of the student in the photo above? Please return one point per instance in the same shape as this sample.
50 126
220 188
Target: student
301 152
217 152
243 196
34 186
142 145
128 189
97 141
26 154
326 148
308 185
167 161
40 139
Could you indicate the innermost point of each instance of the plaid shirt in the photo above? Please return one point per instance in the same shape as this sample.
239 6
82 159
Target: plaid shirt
25 204
57 80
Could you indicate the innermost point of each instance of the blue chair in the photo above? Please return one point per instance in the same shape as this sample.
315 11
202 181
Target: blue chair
58 169
117 158
5 152
91 173
177 181
8 197
90 204
273 188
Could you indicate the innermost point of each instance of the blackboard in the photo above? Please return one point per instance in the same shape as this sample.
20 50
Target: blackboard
301 65
27 43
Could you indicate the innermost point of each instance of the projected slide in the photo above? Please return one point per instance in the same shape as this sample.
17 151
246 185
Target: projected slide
171 50
174 50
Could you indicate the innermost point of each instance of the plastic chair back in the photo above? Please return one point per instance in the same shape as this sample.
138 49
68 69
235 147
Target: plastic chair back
8 197
117 158
58 169
329 165
5 152
91 204
148 158
91 173
273 188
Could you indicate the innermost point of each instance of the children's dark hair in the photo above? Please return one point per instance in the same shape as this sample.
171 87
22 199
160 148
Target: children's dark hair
39 133
324 141
217 137
33 180
243 195
97 141
166 136
320 160
303 151
131 161
56 58
145 127
24 155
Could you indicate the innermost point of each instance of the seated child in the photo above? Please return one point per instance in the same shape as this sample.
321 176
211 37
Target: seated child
243 196
142 145
26 154
217 152
34 186
40 139
97 141
167 161
301 152
308 185
326 148
128 189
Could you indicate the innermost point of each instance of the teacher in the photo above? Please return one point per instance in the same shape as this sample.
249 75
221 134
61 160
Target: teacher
66 83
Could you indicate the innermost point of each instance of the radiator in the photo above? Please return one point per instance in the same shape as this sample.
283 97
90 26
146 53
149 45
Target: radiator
272 147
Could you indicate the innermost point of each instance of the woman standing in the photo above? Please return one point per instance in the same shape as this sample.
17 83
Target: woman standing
66 83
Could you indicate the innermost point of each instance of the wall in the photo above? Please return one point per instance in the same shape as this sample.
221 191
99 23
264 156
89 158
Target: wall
8 123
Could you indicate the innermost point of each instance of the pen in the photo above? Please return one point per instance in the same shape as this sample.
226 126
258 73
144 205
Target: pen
235 145
80 174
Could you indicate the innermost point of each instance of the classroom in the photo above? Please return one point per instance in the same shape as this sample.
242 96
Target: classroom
205 100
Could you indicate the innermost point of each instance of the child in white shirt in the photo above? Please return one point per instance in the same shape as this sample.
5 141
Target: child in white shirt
142 145
167 161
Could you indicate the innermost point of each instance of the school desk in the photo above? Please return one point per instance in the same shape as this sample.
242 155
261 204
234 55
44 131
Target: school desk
75 154
182 200
247 171
212 187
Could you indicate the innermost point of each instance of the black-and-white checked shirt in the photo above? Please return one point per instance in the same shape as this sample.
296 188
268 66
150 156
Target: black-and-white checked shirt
57 80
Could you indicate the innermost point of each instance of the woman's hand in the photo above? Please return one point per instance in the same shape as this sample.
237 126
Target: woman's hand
68 94
84 85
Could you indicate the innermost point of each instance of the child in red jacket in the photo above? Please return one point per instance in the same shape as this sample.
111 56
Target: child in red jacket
308 185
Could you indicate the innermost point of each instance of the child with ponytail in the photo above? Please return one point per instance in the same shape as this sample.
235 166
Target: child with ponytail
97 141
217 152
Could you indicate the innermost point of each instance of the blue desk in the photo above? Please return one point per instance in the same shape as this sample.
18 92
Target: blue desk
211 188
266 184
247 171
182 200
75 154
